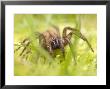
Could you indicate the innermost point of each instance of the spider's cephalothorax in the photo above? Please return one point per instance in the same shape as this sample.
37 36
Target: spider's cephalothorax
51 39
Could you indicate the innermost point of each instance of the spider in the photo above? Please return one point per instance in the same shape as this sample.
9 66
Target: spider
52 40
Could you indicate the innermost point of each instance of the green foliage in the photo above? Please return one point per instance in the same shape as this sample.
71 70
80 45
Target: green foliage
39 62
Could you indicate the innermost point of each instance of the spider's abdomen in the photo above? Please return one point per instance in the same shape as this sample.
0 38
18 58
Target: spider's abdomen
55 44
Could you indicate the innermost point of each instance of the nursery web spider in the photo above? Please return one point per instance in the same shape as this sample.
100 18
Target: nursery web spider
51 39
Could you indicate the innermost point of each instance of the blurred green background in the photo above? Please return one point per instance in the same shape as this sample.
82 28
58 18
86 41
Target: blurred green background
39 62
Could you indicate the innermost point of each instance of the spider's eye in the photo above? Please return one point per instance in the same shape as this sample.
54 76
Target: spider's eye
55 43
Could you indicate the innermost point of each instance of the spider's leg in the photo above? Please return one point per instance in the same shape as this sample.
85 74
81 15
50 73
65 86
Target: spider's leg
49 47
62 48
65 32
77 33
57 29
57 32
80 35
66 35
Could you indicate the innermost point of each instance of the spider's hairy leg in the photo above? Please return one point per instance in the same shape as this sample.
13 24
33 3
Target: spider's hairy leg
49 48
85 39
62 48
45 43
66 40
75 32
66 36
80 35
57 29
65 32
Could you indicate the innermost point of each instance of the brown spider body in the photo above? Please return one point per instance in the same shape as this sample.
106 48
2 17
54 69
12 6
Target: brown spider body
51 39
